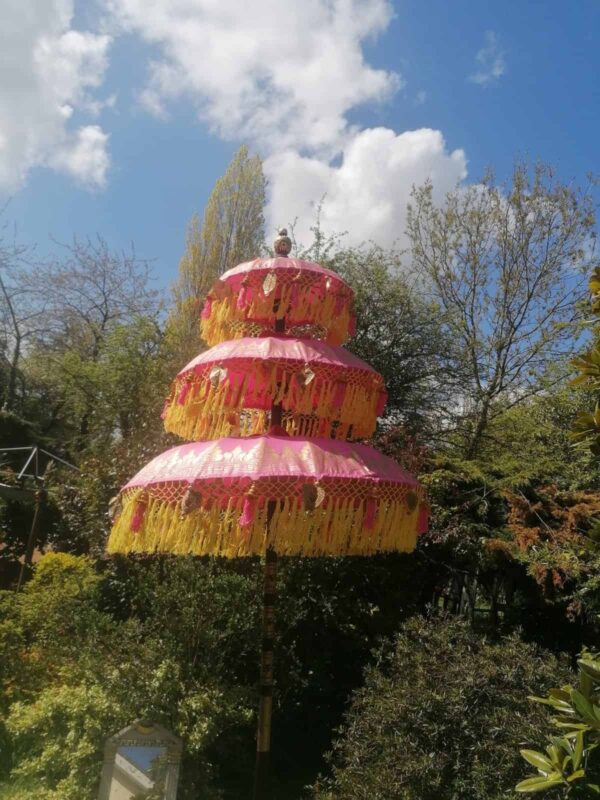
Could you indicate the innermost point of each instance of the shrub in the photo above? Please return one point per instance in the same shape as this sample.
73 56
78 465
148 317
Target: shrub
441 716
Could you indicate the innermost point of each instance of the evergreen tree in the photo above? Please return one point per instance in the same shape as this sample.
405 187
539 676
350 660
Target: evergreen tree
231 231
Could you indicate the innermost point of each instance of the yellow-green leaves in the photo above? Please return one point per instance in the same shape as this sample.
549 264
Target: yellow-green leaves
566 759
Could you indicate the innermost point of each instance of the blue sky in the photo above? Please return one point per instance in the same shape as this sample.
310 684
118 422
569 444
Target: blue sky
135 149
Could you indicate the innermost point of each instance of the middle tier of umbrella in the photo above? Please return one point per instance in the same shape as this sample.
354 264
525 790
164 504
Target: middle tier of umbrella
322 390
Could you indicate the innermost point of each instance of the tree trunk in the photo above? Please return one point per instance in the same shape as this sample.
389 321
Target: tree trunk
480 428
11 389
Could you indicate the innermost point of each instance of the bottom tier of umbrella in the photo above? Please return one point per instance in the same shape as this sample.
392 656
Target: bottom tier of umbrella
321 496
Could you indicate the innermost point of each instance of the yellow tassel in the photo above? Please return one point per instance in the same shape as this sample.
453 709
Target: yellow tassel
218 327
210 411
330 530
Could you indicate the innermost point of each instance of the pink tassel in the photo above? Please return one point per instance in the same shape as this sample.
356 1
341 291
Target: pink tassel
339 393
183 393
339 304
207 308
165 408
242 300
323 428
248 512
371 510
352 326
423 518
138 515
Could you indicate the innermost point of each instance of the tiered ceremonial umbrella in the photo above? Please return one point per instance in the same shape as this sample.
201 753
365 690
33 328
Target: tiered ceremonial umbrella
291 481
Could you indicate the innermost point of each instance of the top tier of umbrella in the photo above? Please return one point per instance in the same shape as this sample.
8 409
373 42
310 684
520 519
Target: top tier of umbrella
249 300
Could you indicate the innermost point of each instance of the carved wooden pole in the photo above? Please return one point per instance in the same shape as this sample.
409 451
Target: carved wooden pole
265 709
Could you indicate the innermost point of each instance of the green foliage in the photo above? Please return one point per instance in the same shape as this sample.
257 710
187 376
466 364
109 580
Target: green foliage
231 231
73 673
531 442
586 428
397 325
440 717
570 762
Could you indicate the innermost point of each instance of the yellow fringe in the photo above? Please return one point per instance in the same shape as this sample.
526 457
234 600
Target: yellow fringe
216 328
334 529
211 411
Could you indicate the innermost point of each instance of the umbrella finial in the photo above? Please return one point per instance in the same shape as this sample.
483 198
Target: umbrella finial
282 244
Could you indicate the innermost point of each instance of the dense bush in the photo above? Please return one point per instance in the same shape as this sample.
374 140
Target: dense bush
441 717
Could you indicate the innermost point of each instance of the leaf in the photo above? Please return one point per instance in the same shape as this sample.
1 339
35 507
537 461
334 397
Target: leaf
591 668
538 760
583 707
554 754
539 783
560 694
576 775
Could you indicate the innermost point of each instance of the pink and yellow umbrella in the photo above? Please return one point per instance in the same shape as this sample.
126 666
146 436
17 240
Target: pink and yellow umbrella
323 390
276 490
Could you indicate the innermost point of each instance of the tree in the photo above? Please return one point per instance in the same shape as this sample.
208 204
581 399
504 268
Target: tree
505 265
98 303
22 310
400 334
231 231
586 430
440 717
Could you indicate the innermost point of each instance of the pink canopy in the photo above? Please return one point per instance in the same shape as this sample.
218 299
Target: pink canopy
257 458
285 348
230 389
294 266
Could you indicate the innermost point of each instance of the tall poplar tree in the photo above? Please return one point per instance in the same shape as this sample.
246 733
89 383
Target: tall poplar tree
231 231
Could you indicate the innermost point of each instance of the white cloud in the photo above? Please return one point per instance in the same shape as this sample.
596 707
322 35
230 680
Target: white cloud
421 97
283 76
84 155
367 194
279 73
49 71
491 65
